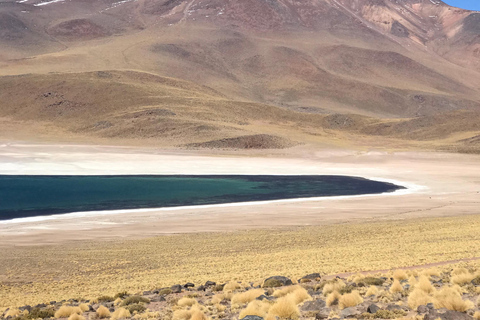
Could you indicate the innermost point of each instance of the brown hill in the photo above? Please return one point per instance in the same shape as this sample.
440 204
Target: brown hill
242 64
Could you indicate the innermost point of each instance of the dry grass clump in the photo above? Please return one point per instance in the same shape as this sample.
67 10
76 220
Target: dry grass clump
285 308
135 300
246 297
396 287
476 315
424 284
76 316
186 302
412 281
350 300
195 313
460 270
147 315
231 286
12 313
332 298
67 311
217 298
333 285
372 291
103 312
121 313
255 308
431 272
371 281
462 278
84 307
400 275
417 298
451 299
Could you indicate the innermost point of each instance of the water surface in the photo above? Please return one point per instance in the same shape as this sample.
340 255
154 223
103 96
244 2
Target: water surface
29 196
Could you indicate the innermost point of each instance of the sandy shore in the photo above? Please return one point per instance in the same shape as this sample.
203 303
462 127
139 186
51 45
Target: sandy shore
439 185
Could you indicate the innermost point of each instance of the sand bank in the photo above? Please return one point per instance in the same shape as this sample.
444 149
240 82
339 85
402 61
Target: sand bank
438 184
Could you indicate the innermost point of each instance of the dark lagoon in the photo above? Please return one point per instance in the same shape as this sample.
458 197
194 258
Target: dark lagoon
31 196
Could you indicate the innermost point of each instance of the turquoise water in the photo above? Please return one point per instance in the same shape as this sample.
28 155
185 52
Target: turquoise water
29 196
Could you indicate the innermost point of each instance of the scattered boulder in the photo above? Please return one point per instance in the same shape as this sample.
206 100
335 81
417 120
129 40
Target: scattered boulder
349 313
277 281
176 288
252 318
158 299
373 308
189 285
210 284
448 315
201 288
315 305
430 306
323 314
310 277
423 309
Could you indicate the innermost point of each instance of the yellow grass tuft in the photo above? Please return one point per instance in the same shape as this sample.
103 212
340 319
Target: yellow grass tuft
458 271
76 316
147 315
283 292
332 298
67 311
117 301
372 291
400 275
396 287
412 281
186 302
335 285
300 295
231 286
217 298
197 314
431 272
450 299
84 307
462 278
417 298
350 300
12 313
103 312
181 315
220 307
247 296
255 308
424 284
285 307
120 313
476 315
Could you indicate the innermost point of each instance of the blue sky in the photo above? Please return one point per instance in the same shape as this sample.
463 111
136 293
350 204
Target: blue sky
464 4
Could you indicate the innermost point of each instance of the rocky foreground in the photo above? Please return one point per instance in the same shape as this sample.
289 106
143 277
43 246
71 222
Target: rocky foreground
429 294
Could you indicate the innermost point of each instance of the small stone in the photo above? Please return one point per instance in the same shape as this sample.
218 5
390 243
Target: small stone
158 299
264 297
189 285
176 288
315 305
373 308
349 313
323 314
252 318
422 309
210 284
430 306
201 288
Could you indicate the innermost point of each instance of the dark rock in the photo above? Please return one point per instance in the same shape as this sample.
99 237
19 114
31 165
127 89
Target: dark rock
264 297
210 284
111 310
311 276
422 309
176 288
28 308
189 285
315 305
91 309
349 313
53 302
109 305
252 318
41 305
201 288
430 306
373 308
209 294
448 315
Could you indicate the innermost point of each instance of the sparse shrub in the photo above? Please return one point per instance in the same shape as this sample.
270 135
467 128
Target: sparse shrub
165 292
400 275
76 316
476 280
346 289
12 312
103 312
220 307
462 278
389 314
284 291
372 291
136 308
272 283
418 297
121 313
247 296
121 295
371 281
44 313
396 287
285 307
105 299
332 298
424 284
350 300
255 308
67 311
218 287
135 300
449 298
186 302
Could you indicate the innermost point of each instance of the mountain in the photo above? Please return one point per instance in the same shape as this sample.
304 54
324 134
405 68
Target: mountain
242 73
